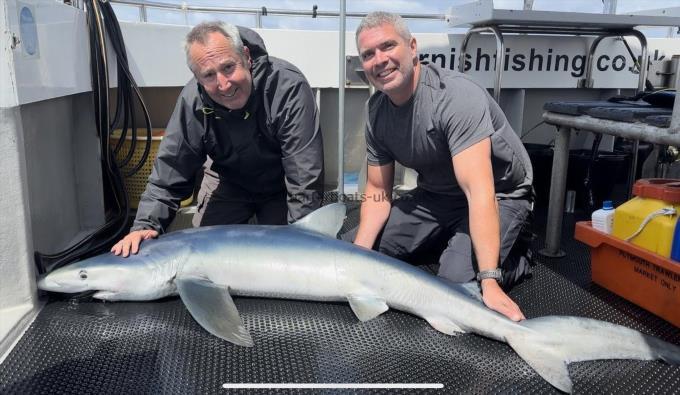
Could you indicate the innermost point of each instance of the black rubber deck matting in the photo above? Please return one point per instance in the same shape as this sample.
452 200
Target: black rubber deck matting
156 347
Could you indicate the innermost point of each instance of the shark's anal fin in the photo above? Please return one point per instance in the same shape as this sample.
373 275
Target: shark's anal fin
212 307
367 307
444 325
326 220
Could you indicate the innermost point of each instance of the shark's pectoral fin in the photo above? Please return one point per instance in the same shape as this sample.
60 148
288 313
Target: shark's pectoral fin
367 307
444 325
212 307
106 295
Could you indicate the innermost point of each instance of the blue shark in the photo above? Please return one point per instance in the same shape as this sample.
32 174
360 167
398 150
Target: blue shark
207 266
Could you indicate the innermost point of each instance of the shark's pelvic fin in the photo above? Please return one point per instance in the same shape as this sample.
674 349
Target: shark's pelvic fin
444 325
212 307
367 307
326 220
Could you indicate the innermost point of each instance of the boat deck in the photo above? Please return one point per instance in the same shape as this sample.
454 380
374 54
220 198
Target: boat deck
87 346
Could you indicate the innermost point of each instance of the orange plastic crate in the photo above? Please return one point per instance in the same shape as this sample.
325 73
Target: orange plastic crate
649 280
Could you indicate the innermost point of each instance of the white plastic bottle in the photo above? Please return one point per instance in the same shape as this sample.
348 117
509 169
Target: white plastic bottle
603 219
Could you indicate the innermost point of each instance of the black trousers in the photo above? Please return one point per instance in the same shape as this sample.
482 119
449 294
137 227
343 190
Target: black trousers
424 227
224 203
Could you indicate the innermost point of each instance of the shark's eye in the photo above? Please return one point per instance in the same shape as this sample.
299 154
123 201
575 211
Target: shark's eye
83 274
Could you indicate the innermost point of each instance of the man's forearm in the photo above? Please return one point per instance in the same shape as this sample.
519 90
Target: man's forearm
375 210
485 231
485 234
301 201
304 180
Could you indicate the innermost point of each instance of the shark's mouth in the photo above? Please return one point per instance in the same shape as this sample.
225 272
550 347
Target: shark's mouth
51 285
45 284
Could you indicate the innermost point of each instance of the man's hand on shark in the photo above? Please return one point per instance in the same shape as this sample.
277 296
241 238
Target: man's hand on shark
496 299
130 243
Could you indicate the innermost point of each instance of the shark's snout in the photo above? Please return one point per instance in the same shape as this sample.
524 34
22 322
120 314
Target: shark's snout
47 284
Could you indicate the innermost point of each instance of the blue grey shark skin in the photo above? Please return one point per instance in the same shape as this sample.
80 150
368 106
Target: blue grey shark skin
207 264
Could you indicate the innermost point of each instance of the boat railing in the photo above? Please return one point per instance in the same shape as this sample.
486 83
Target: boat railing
257 12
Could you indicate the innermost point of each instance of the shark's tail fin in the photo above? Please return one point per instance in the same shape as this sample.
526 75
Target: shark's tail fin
553 342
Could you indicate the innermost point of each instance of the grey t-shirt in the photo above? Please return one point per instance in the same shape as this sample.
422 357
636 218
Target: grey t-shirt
447 114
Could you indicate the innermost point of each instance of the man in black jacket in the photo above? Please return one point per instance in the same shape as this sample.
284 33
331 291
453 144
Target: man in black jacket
255 119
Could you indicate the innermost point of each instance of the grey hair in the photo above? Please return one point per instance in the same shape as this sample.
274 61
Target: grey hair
200 32
379 18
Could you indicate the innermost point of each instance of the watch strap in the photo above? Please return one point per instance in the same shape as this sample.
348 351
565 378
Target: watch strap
496 274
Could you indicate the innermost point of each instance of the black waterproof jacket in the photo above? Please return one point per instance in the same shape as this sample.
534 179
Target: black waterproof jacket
273 143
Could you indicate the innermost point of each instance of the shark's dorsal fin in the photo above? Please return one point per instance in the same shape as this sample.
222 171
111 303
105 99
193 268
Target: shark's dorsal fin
326 220
212 307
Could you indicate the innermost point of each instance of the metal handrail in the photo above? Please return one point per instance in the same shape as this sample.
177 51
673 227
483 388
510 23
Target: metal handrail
341 100
500 60
259 12
674 128
587 81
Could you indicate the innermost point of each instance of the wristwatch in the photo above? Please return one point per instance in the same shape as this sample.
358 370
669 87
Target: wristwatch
496 274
